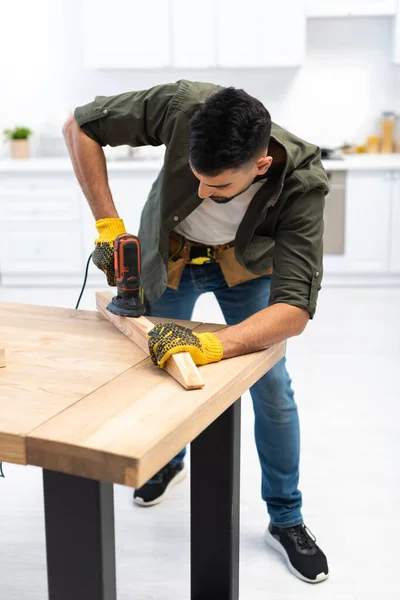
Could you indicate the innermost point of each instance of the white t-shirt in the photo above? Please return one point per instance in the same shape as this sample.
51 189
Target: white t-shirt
212 223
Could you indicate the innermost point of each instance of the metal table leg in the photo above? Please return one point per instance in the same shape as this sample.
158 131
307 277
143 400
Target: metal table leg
80 539
215 497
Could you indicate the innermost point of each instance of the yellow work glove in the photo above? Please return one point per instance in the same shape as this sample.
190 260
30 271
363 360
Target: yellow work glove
167 339
103 254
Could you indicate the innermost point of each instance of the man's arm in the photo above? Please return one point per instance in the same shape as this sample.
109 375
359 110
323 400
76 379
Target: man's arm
89 164
266 327
135 119
139 118
269 326
296 279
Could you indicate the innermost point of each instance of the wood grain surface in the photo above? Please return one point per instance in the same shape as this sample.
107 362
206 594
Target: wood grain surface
77 396
180 366
55 357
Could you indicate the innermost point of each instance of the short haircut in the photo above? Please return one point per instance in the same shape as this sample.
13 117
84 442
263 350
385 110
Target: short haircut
230 130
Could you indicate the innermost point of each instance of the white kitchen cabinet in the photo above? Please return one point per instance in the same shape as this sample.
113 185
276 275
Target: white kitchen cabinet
39 205
351 8
40 228
261 34
38 251
47 230
367 221
396 36
395 225
193 36
126 34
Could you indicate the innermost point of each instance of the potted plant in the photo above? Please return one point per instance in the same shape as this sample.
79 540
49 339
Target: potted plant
19 138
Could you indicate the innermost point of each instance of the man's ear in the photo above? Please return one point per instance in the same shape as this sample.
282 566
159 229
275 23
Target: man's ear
263 164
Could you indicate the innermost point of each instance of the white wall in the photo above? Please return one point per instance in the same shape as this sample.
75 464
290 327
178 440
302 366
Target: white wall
338 95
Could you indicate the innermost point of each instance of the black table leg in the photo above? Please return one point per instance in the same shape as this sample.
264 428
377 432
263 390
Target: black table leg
80 540
215 496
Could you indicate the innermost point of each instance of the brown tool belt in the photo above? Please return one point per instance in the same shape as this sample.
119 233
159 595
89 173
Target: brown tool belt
184 252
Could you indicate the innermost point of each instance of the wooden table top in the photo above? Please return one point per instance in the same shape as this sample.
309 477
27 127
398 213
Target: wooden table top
77 396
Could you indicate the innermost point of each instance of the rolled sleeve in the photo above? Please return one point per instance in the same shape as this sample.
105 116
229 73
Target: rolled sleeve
132 118
297 267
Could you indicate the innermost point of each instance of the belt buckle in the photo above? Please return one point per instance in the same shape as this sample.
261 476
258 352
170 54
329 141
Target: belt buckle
202 260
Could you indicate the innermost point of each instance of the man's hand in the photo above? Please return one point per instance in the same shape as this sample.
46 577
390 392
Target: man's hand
167 339
103 254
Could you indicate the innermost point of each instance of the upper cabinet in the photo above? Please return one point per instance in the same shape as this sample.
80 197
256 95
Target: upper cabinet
351 8
264 34
132 34
193 33
126 34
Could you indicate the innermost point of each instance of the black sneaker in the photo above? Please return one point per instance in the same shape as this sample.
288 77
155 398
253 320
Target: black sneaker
304 558
156 489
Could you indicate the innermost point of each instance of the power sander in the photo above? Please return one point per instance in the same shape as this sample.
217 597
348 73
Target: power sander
127 302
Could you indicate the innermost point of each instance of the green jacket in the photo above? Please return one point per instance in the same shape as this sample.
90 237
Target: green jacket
283 225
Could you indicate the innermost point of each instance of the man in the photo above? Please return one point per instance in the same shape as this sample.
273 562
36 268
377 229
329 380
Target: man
237 210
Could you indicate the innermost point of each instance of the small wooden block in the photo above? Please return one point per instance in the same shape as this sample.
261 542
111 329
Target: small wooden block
2 357
180 366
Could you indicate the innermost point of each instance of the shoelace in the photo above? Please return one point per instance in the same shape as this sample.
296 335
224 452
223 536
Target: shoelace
303 536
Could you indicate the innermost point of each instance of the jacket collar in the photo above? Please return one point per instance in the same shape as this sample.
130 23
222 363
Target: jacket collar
266 197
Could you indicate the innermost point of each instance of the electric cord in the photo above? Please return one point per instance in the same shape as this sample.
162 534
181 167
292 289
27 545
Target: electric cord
84 281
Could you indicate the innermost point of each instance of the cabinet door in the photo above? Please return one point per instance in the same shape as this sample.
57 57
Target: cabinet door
40 249
396 34
260 34
193 35
126 34
368 202
350 8
395 226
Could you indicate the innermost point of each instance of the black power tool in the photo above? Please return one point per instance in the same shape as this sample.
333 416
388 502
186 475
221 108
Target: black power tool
127 302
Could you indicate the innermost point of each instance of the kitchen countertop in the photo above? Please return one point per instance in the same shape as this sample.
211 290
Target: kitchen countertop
63 165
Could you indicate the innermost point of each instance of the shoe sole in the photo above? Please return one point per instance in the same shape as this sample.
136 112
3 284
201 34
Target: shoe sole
177 479
273 543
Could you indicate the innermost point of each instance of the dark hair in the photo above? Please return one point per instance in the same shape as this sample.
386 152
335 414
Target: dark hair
228 131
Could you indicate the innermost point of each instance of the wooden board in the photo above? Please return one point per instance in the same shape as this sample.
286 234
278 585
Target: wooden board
55 357
180 366
77 396
2 357
149 421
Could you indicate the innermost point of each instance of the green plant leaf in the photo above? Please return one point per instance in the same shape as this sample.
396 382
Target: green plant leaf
18 133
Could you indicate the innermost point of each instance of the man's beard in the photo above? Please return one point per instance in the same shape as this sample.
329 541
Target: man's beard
223 200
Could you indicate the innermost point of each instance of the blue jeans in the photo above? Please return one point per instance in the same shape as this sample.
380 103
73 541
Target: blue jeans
277 431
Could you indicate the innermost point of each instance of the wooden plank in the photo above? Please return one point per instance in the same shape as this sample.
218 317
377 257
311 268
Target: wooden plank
2 357
180 366
55 357
125 431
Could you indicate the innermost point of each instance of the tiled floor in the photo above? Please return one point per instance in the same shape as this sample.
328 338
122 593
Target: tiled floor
344 369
